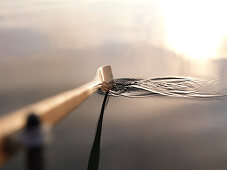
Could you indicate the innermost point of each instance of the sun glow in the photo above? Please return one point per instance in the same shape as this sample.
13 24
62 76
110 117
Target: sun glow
195 28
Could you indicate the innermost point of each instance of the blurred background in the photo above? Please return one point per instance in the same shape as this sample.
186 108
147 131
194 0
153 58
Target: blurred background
50 46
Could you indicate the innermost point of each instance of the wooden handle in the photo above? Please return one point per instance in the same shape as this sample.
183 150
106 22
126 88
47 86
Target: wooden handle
50 111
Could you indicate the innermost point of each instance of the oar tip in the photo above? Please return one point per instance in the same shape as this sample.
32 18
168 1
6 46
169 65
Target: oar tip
105 75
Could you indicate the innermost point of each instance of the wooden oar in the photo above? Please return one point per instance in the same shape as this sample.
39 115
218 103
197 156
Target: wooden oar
53 109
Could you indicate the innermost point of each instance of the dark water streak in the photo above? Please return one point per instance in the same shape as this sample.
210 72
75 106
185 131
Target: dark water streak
93 162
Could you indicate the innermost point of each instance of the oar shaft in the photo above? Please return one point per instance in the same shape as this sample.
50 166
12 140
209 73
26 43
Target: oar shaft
50 111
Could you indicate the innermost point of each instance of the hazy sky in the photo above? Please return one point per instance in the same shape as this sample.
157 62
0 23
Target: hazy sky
195 28
76 24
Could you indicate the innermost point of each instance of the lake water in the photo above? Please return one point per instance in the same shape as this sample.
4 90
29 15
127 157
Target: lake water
47 47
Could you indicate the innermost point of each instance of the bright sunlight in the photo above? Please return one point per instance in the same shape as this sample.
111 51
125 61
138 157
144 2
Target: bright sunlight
195 28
